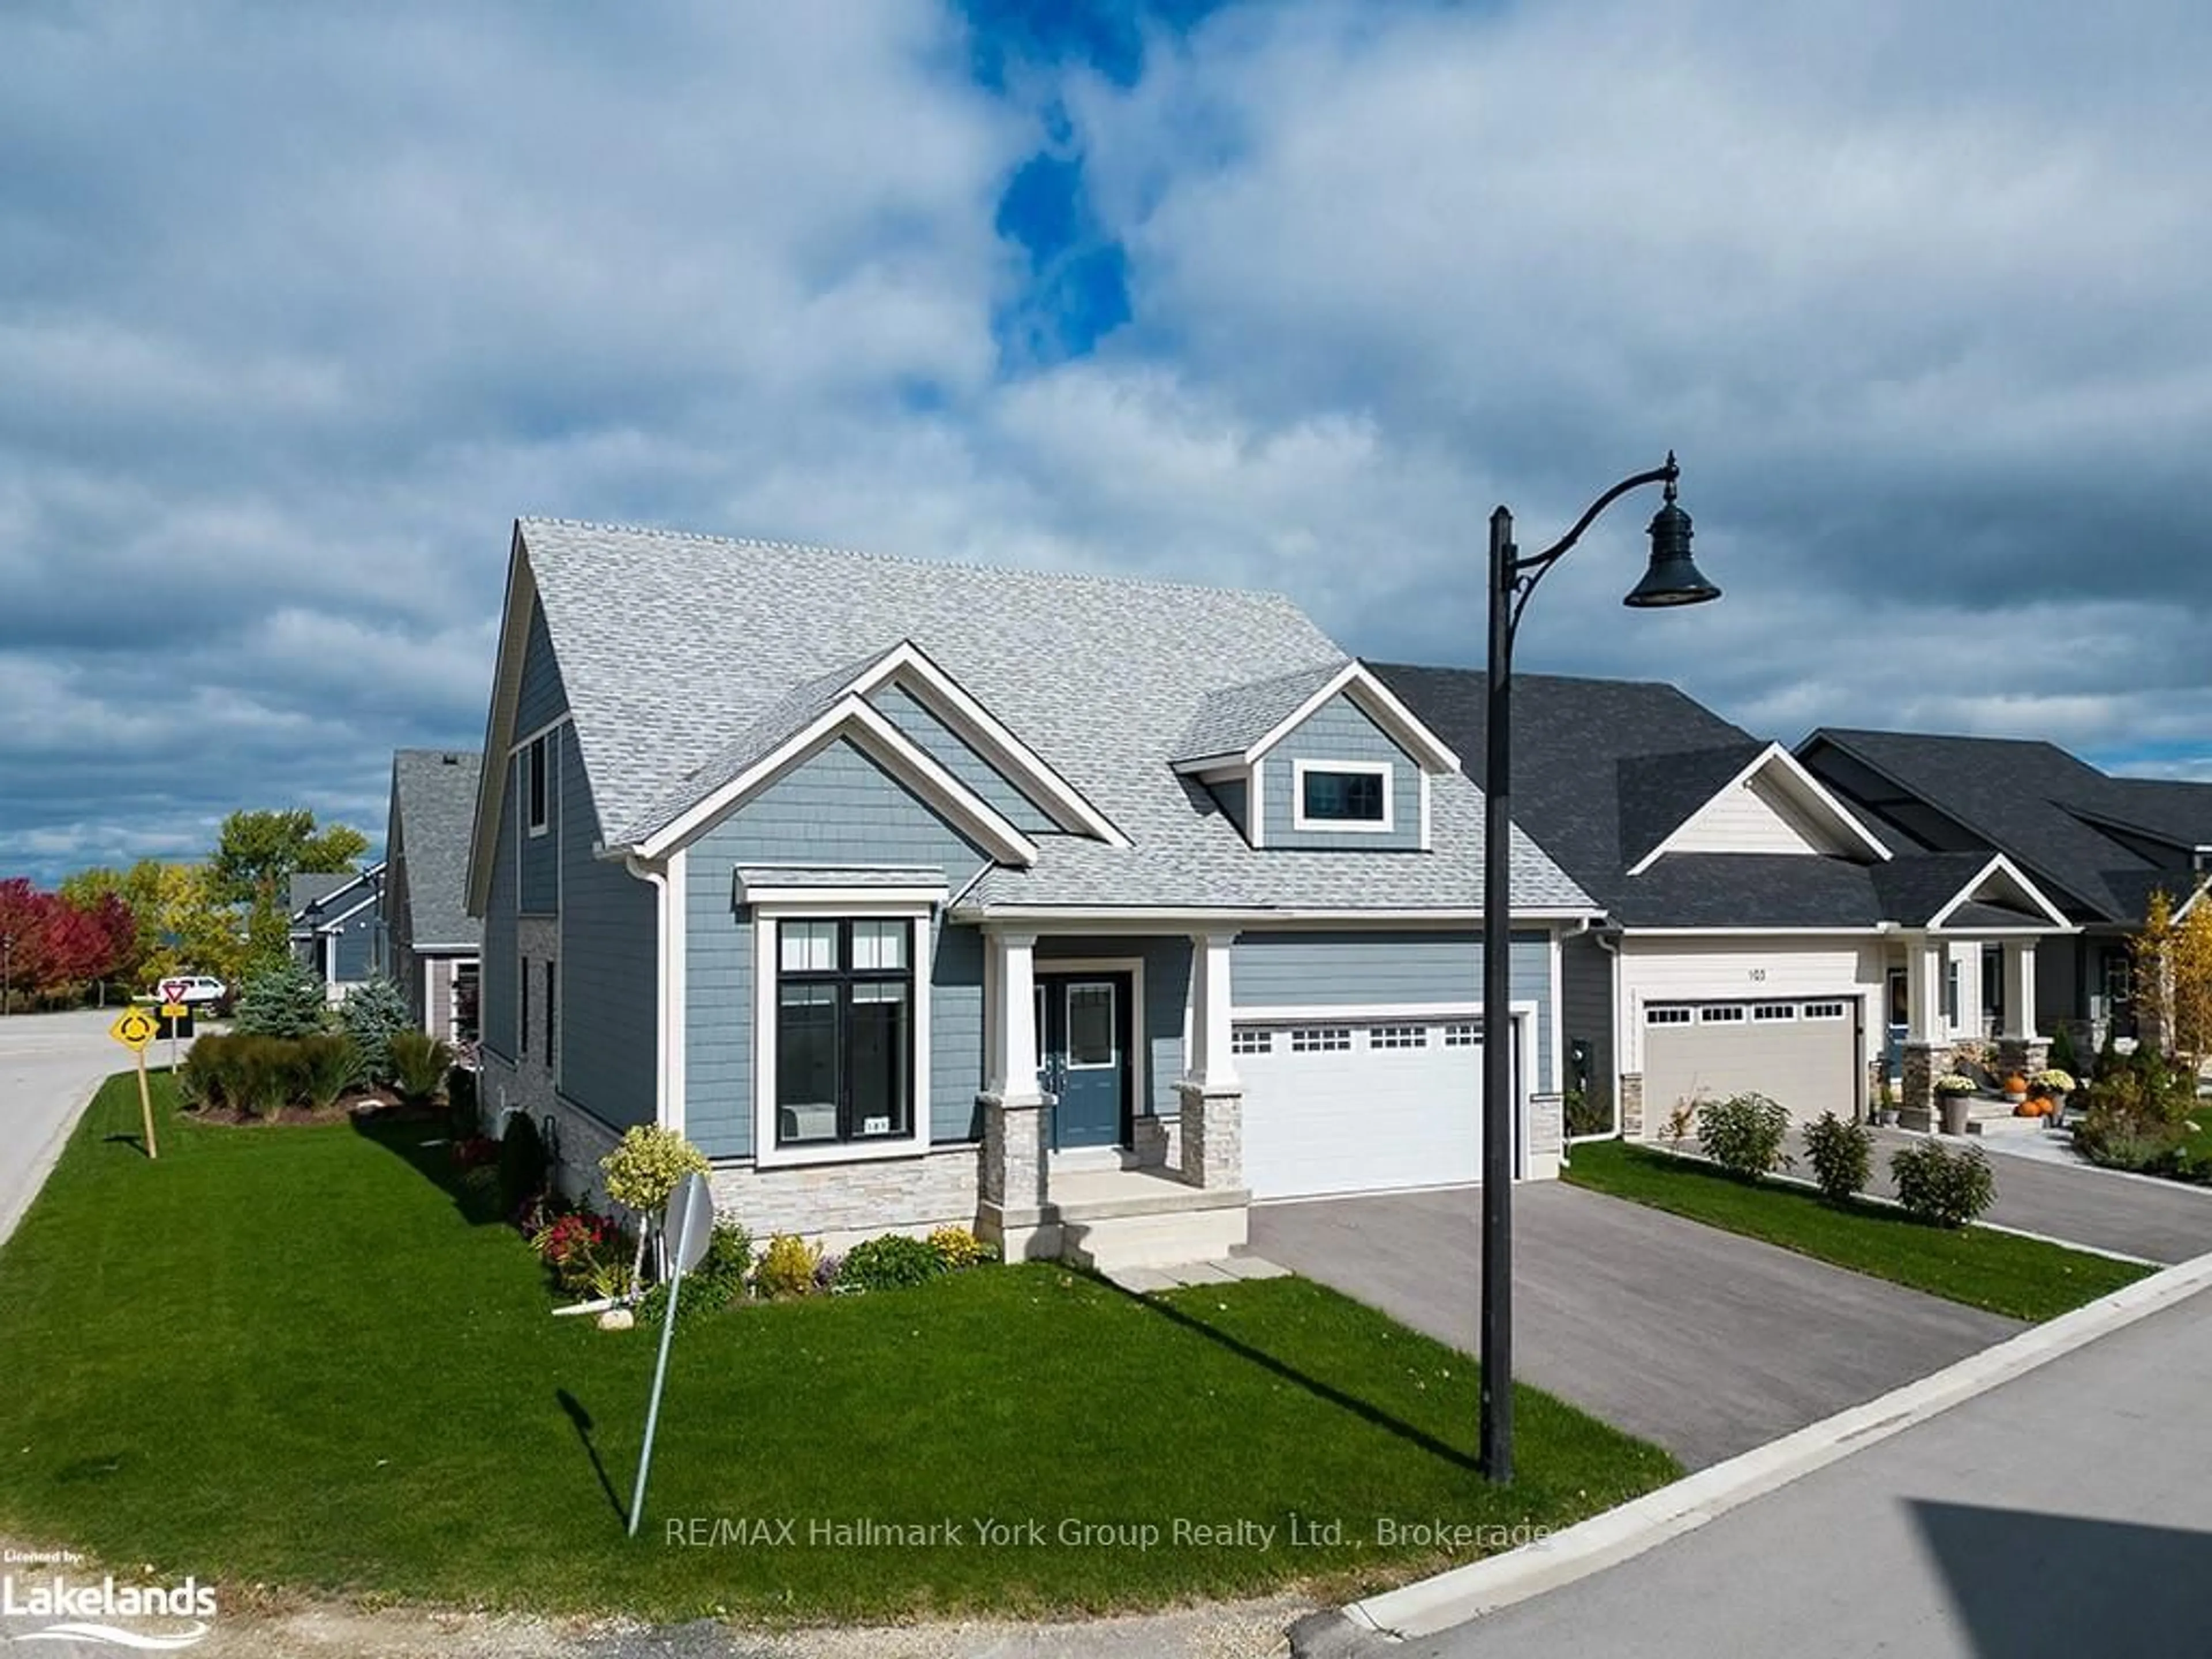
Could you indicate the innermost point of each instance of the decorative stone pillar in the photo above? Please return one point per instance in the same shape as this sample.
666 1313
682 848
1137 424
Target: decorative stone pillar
1923 1063
1212 1134
2024 1055
1547 1136
1631 1105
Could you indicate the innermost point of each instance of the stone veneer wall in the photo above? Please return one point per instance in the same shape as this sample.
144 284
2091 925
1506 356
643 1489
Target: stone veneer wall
1547 1135
1631 1105
842 1204
1213 1136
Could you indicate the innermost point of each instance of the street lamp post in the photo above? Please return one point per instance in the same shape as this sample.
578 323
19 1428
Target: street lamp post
7 970
1671 579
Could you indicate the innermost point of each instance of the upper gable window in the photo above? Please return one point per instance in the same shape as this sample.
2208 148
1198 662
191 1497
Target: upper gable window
1342 795
533 767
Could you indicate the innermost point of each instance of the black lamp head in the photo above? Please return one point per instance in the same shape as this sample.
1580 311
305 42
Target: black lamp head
1672 577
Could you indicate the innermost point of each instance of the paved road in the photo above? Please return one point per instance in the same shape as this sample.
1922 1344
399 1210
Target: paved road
49 1066
1702 1341
2065 1514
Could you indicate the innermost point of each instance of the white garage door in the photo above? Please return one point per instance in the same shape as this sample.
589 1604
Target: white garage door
1803 1052
1361 1106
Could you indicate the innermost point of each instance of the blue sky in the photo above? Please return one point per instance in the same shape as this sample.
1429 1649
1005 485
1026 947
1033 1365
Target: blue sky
300 307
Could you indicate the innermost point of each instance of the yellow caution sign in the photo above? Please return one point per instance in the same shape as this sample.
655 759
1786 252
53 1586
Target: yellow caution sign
134 1029
176 1011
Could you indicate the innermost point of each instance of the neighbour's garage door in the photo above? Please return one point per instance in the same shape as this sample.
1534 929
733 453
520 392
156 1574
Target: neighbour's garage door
1362 1106
1803 1054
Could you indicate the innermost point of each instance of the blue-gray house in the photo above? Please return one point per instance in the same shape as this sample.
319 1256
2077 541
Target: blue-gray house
1081 911
334 926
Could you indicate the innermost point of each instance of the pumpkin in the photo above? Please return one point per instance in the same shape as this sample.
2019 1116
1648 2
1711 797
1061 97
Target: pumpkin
2015 1084
2032 1109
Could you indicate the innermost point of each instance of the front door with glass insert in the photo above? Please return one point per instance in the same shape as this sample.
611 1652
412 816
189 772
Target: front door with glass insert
1083 1030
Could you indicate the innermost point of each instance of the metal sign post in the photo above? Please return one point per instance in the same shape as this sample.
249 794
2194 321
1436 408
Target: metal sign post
134 1030
688 1223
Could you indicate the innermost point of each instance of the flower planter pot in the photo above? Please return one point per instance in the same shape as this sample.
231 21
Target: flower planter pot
1953 1108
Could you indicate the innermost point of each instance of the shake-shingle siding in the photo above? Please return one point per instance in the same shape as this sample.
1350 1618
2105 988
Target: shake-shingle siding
542 700
948 750
1339 729
495 993
838 808
1167 993
1387 970
609 969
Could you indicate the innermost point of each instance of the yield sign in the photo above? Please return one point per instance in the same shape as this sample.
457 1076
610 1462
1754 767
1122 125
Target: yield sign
173 990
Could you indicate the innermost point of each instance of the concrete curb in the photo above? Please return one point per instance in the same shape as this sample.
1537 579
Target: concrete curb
1604 1541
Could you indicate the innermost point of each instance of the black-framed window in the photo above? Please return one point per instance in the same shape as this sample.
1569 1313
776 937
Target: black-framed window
533 767
844 1040
1343 797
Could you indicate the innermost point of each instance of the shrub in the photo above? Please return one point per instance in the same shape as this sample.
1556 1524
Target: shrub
714 1285
1842 1155
282 999
208 1077
1937 1184
268 1077
419 1064
644 1168
2116 1137
1585 1117
2062 1057
892 1262
372 1015
461 1100
521 1164
1744 1134
329 1065
787 1267
958 1247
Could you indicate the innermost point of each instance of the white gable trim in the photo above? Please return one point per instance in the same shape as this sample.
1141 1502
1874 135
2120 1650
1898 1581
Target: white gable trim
1820 797
910 666
499 728
1429 750
852 716
1999 865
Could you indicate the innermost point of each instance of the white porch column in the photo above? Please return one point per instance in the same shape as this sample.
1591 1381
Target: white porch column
1013 1018
2019 987
1967 960
1924 989
1210 1063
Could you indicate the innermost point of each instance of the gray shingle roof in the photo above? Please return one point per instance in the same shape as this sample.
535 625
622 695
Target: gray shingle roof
2030 800
313 886
675 648
1233 719
434 803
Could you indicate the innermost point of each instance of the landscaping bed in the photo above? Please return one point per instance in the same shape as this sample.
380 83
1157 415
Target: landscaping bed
313 1361
2023 1277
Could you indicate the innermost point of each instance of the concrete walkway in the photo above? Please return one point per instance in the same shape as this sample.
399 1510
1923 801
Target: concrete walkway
1707 1343
50 1064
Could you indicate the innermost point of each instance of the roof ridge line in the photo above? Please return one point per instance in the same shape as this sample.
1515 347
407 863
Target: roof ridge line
770 545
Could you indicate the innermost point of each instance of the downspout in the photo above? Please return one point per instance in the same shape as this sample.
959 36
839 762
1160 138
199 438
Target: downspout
661 898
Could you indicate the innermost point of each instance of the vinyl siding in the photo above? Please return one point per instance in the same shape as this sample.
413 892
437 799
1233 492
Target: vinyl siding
543 698
608 969
1586 1010
495 993
1339 729
948 750
1167 995
1751 818
1389 969
838 808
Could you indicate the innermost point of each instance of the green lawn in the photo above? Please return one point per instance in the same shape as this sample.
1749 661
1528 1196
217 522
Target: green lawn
2022 1277
289 1356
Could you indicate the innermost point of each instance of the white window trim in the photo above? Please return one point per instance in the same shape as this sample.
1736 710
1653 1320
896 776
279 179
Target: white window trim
767 968
1299 821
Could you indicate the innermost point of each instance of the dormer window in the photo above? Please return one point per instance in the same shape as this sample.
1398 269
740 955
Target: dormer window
1343 795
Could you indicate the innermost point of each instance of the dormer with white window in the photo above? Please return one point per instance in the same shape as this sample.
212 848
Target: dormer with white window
1323 760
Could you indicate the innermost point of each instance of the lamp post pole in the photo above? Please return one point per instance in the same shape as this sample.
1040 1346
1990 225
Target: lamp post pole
1671 579
7 970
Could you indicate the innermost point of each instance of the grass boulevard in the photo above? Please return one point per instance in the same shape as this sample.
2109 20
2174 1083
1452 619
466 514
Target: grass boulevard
297 1356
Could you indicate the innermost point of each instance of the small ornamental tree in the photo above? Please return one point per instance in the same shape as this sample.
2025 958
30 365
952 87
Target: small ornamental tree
282 998
643 1170
374 1013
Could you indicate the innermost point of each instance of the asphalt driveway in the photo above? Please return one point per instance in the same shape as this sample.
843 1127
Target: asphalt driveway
1704 1342
2158 1220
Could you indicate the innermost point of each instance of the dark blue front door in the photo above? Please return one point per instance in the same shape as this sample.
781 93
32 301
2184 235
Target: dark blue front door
1083 1025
